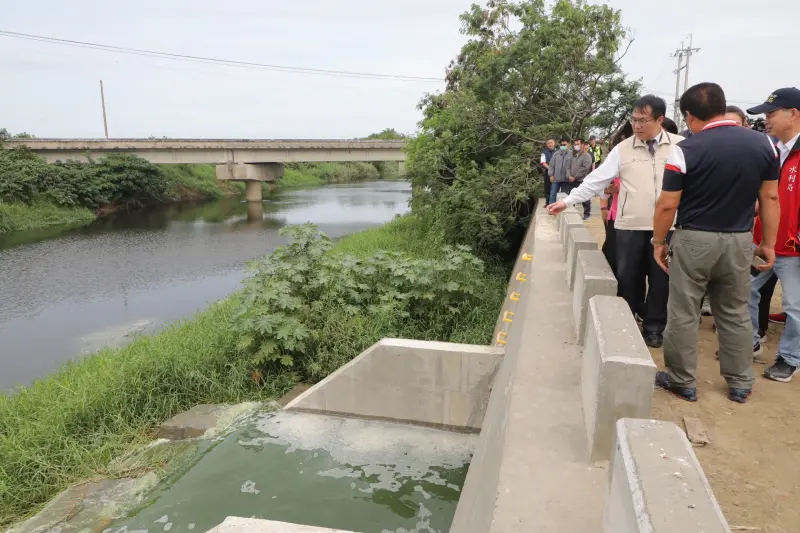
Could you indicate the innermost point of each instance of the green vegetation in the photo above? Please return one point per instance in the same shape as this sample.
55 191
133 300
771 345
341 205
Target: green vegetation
16 217
35 194
315 174
198 182
528 72
68 427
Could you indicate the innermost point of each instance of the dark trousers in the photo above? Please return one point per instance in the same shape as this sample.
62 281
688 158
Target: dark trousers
766 298
547 184
635 267
610 246
587 205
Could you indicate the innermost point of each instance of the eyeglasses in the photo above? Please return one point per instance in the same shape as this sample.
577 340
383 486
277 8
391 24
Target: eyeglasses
640 121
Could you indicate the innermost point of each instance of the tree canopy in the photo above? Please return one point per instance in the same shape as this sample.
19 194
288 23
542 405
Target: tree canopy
528 72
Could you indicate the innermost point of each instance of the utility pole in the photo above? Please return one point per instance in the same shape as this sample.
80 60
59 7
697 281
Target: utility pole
676 115
683 51
103 103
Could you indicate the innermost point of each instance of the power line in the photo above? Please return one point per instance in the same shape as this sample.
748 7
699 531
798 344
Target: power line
215 61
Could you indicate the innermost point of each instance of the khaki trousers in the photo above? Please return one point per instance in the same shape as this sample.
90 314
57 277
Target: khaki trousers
719 263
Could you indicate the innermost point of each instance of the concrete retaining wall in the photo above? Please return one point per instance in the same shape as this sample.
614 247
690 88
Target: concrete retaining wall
657 484
436 384
593 276
578 239
569 221
617 377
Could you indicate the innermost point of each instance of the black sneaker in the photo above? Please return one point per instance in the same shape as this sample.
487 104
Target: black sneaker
781 371
685 393
739 395
654 340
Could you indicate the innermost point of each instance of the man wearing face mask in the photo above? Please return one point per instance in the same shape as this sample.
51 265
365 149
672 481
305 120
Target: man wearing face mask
559 170
639 163
580 167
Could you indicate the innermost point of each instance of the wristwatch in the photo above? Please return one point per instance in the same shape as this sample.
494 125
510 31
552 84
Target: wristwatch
660 242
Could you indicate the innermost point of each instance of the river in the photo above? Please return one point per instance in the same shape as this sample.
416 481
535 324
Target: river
66 292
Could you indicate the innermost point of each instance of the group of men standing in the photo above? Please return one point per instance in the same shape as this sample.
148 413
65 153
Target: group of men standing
566 169
684 227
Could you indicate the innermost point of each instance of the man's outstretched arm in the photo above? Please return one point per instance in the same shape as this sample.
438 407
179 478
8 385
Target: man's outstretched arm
593 185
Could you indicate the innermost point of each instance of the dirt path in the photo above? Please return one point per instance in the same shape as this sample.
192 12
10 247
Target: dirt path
751 460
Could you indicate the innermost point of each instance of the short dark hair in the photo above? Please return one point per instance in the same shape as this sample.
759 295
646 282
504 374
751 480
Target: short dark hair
669 125
592 138
738 111
657 105
704 101
563 140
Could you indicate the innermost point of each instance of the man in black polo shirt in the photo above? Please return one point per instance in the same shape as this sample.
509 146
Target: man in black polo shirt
713 180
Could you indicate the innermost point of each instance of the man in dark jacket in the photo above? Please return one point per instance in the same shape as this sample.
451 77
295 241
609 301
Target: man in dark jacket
544 164
580 167
559 171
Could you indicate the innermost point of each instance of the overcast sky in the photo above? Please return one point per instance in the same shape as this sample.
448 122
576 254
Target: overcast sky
53 91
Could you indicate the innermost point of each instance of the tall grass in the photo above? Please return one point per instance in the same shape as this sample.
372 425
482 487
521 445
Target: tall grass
198 182
17 216
67 427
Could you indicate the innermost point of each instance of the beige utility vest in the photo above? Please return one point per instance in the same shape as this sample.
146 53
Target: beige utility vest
641 176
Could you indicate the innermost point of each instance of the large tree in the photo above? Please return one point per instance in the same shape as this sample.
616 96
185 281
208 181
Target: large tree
528 72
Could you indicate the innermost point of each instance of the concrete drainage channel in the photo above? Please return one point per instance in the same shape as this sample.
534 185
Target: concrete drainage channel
547 430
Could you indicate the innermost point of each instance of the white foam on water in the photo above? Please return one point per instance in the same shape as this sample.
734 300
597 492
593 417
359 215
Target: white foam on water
249 487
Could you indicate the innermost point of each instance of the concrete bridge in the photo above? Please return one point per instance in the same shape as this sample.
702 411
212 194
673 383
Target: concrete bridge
252 161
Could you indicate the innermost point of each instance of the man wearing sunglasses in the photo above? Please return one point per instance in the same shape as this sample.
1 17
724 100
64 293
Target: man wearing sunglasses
782 109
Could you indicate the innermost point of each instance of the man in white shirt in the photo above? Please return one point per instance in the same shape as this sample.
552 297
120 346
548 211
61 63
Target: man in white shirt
639 163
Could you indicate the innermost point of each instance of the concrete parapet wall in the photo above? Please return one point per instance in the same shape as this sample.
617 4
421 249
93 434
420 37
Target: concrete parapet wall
569 221
436 384
657 484
593 277
578 239
617 376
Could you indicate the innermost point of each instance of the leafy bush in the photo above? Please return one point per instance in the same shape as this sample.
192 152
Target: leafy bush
295 295
529 71
119 178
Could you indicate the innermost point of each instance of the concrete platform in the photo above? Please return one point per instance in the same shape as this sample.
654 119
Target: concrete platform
530 470
593 276
578 239
617 374
202 419
436 384
657 484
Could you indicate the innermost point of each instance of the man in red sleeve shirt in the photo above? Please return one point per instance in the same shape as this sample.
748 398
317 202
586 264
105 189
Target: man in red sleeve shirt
782 109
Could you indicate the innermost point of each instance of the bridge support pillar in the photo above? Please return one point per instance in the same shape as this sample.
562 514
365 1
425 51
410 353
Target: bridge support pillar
401 168
253 174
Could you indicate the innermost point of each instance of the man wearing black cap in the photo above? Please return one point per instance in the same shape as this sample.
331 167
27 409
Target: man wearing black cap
782 109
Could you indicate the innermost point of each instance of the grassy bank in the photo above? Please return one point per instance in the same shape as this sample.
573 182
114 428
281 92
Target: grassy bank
181 183
18 216
315 174
68 426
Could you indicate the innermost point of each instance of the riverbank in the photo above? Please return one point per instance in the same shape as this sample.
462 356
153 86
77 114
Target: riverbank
67 427
181 183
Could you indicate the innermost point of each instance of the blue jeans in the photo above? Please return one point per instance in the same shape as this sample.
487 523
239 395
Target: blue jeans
557 187
788 271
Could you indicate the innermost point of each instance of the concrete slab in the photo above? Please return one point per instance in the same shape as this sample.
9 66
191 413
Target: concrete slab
579 239
435 384
90 506
569 220
533 429
234 524
657 484
593 276
201 419
617 373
